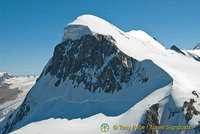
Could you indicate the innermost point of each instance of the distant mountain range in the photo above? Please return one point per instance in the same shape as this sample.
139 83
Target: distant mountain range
13 90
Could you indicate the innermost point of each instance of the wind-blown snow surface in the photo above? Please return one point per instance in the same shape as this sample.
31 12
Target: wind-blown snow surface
23 84
170 95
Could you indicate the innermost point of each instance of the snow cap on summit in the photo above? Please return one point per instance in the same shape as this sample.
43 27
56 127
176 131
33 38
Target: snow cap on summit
88 25
91 25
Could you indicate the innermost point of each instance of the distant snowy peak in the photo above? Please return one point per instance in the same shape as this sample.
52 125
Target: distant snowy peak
4 75
197 47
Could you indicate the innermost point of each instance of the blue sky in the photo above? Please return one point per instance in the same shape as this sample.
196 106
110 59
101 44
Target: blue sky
30 29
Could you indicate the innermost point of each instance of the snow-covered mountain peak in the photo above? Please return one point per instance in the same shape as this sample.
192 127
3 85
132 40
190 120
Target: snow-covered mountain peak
2 74
92 25
89 20
97 68
197 47
91 67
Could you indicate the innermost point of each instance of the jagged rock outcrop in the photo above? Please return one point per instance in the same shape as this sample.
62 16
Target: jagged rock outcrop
176 49
190 110
93 57
189 107
151 119
197 47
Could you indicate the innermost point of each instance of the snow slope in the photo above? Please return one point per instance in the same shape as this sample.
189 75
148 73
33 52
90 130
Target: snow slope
197 52
75 103
92 124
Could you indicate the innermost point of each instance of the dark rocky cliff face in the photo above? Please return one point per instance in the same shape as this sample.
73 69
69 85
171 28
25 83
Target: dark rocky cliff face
151 119
94 61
